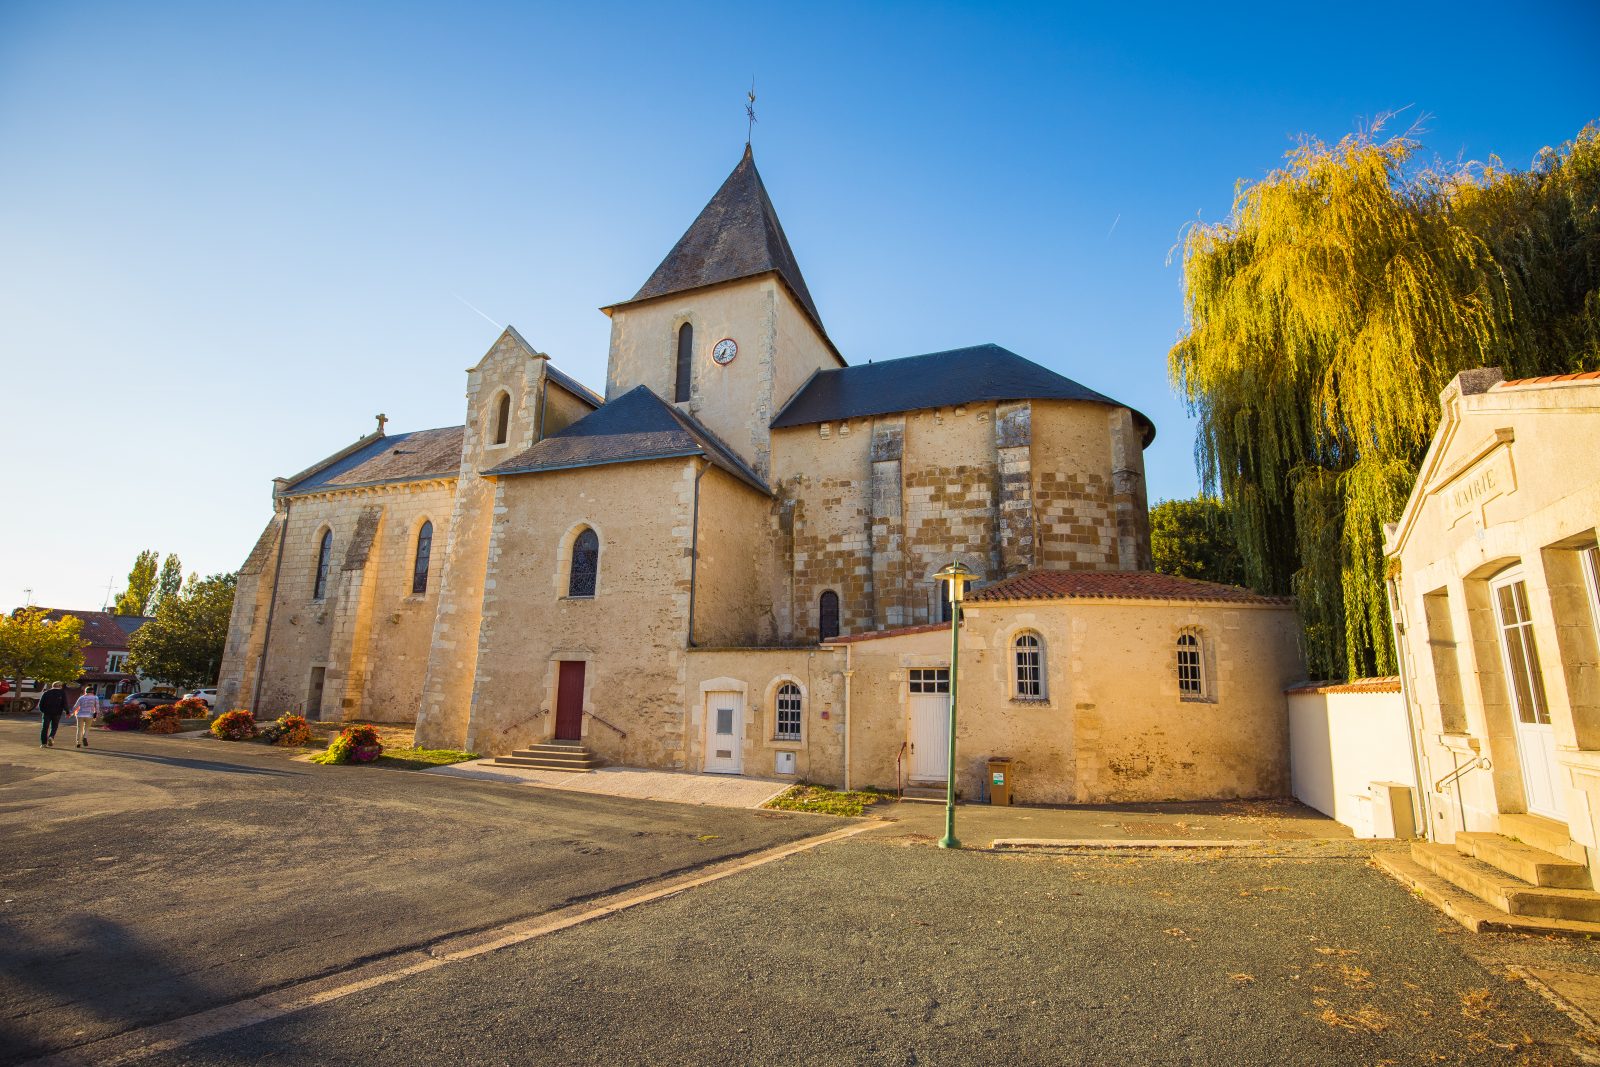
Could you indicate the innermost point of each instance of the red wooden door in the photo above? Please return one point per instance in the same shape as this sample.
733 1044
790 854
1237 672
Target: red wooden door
569 701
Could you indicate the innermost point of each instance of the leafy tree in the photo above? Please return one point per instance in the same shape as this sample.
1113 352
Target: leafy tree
1194 539
182 645
170 582
1325 315
33 647
141 585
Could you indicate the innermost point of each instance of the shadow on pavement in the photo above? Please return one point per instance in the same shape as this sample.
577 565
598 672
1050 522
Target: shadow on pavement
199 764
86 967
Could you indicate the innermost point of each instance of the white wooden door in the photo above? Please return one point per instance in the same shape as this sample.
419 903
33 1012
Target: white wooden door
930 723
725 733
1536 739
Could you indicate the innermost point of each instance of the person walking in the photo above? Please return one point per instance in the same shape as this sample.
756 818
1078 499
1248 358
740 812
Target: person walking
52 702
83 713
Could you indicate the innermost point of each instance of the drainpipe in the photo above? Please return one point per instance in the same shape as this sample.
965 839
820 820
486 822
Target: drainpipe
694 545
272 605
849 672
1419 806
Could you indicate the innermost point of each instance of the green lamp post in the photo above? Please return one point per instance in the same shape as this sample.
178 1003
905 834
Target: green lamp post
955 578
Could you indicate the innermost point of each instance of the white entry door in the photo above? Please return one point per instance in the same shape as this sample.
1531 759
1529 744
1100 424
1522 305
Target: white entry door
930 723
725 733
1536 739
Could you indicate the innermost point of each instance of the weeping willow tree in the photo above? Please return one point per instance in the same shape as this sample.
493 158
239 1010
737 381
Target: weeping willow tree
1325 315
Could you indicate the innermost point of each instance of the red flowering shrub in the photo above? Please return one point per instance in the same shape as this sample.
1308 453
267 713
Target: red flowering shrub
192 708
358 743
123 717
165 719
236 725
292 730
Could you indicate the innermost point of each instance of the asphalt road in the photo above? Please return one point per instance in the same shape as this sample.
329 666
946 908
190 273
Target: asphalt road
146 878
884 950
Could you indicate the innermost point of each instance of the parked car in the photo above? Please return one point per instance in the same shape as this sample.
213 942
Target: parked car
207 695
146 701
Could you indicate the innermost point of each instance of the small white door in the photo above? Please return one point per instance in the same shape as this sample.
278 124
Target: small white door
1536 738
725 733
930 723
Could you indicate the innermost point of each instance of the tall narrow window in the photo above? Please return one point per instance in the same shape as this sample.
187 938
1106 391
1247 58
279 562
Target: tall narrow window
828 616
1028 661
685 362
419 569
788 712
324 560
1522 656
585 564
1191 667
1591 574
502 419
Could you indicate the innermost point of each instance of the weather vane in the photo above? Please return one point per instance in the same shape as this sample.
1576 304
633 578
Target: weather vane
750 112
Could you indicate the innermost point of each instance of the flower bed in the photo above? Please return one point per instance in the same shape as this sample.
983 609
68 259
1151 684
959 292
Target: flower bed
166 719
355 744
123 717
288 731
236 725
192 708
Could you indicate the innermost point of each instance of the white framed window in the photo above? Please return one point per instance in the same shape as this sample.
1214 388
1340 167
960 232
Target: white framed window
1191 666
114 662
1027 666
1591 580
1509 592
788 712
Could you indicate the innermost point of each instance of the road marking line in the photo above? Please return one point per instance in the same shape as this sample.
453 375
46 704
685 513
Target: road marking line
134 1045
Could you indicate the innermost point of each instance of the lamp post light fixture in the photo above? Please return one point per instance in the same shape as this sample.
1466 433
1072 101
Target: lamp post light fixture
955 578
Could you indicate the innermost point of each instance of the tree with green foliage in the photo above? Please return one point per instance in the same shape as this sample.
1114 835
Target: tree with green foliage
31 646
182 645
141 585
168 585
1194 539
1325 316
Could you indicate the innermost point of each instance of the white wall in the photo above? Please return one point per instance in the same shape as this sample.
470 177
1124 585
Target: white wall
1342 738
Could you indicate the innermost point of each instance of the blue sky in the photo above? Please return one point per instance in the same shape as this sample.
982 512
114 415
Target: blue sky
230 234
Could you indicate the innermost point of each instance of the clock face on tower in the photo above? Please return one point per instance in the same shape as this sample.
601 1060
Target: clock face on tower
726 349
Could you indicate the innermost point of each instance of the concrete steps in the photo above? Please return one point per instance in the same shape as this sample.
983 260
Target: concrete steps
1491 882
925 794
568 756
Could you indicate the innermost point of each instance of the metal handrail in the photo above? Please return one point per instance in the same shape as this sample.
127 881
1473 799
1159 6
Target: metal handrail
899 781
602 722
1481 763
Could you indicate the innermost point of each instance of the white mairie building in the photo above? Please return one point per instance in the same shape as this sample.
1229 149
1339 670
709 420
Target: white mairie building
725 563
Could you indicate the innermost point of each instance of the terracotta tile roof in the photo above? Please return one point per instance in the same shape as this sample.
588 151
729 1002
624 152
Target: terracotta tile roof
1580 376
875 635
1115 585
935 380
1390 684
401 457
101 628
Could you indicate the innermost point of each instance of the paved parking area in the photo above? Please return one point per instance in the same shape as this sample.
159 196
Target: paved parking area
639 783
151 877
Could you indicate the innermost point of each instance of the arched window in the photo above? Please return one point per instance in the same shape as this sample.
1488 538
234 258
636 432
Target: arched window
585 564
788 712
1027 656
685 362
1191 667
502 419
419 569
324 560
828 616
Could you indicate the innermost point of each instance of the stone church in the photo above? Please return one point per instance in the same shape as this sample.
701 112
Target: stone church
725 563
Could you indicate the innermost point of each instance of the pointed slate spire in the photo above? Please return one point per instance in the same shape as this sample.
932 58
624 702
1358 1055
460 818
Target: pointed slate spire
737 235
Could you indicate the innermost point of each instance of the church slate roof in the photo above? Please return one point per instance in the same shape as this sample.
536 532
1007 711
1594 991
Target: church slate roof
636 426
935 380
737 235
401 457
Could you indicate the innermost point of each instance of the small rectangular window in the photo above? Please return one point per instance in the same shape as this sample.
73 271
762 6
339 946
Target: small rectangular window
930 679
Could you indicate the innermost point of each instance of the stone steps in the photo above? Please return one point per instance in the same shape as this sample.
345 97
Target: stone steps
1492 882
568 756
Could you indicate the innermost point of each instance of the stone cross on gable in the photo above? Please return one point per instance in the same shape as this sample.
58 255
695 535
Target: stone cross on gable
382 421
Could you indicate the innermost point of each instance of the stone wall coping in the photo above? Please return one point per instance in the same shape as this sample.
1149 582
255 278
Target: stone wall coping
1390 684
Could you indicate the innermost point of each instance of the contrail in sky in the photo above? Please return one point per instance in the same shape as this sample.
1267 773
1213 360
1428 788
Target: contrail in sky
1114 223
495 324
